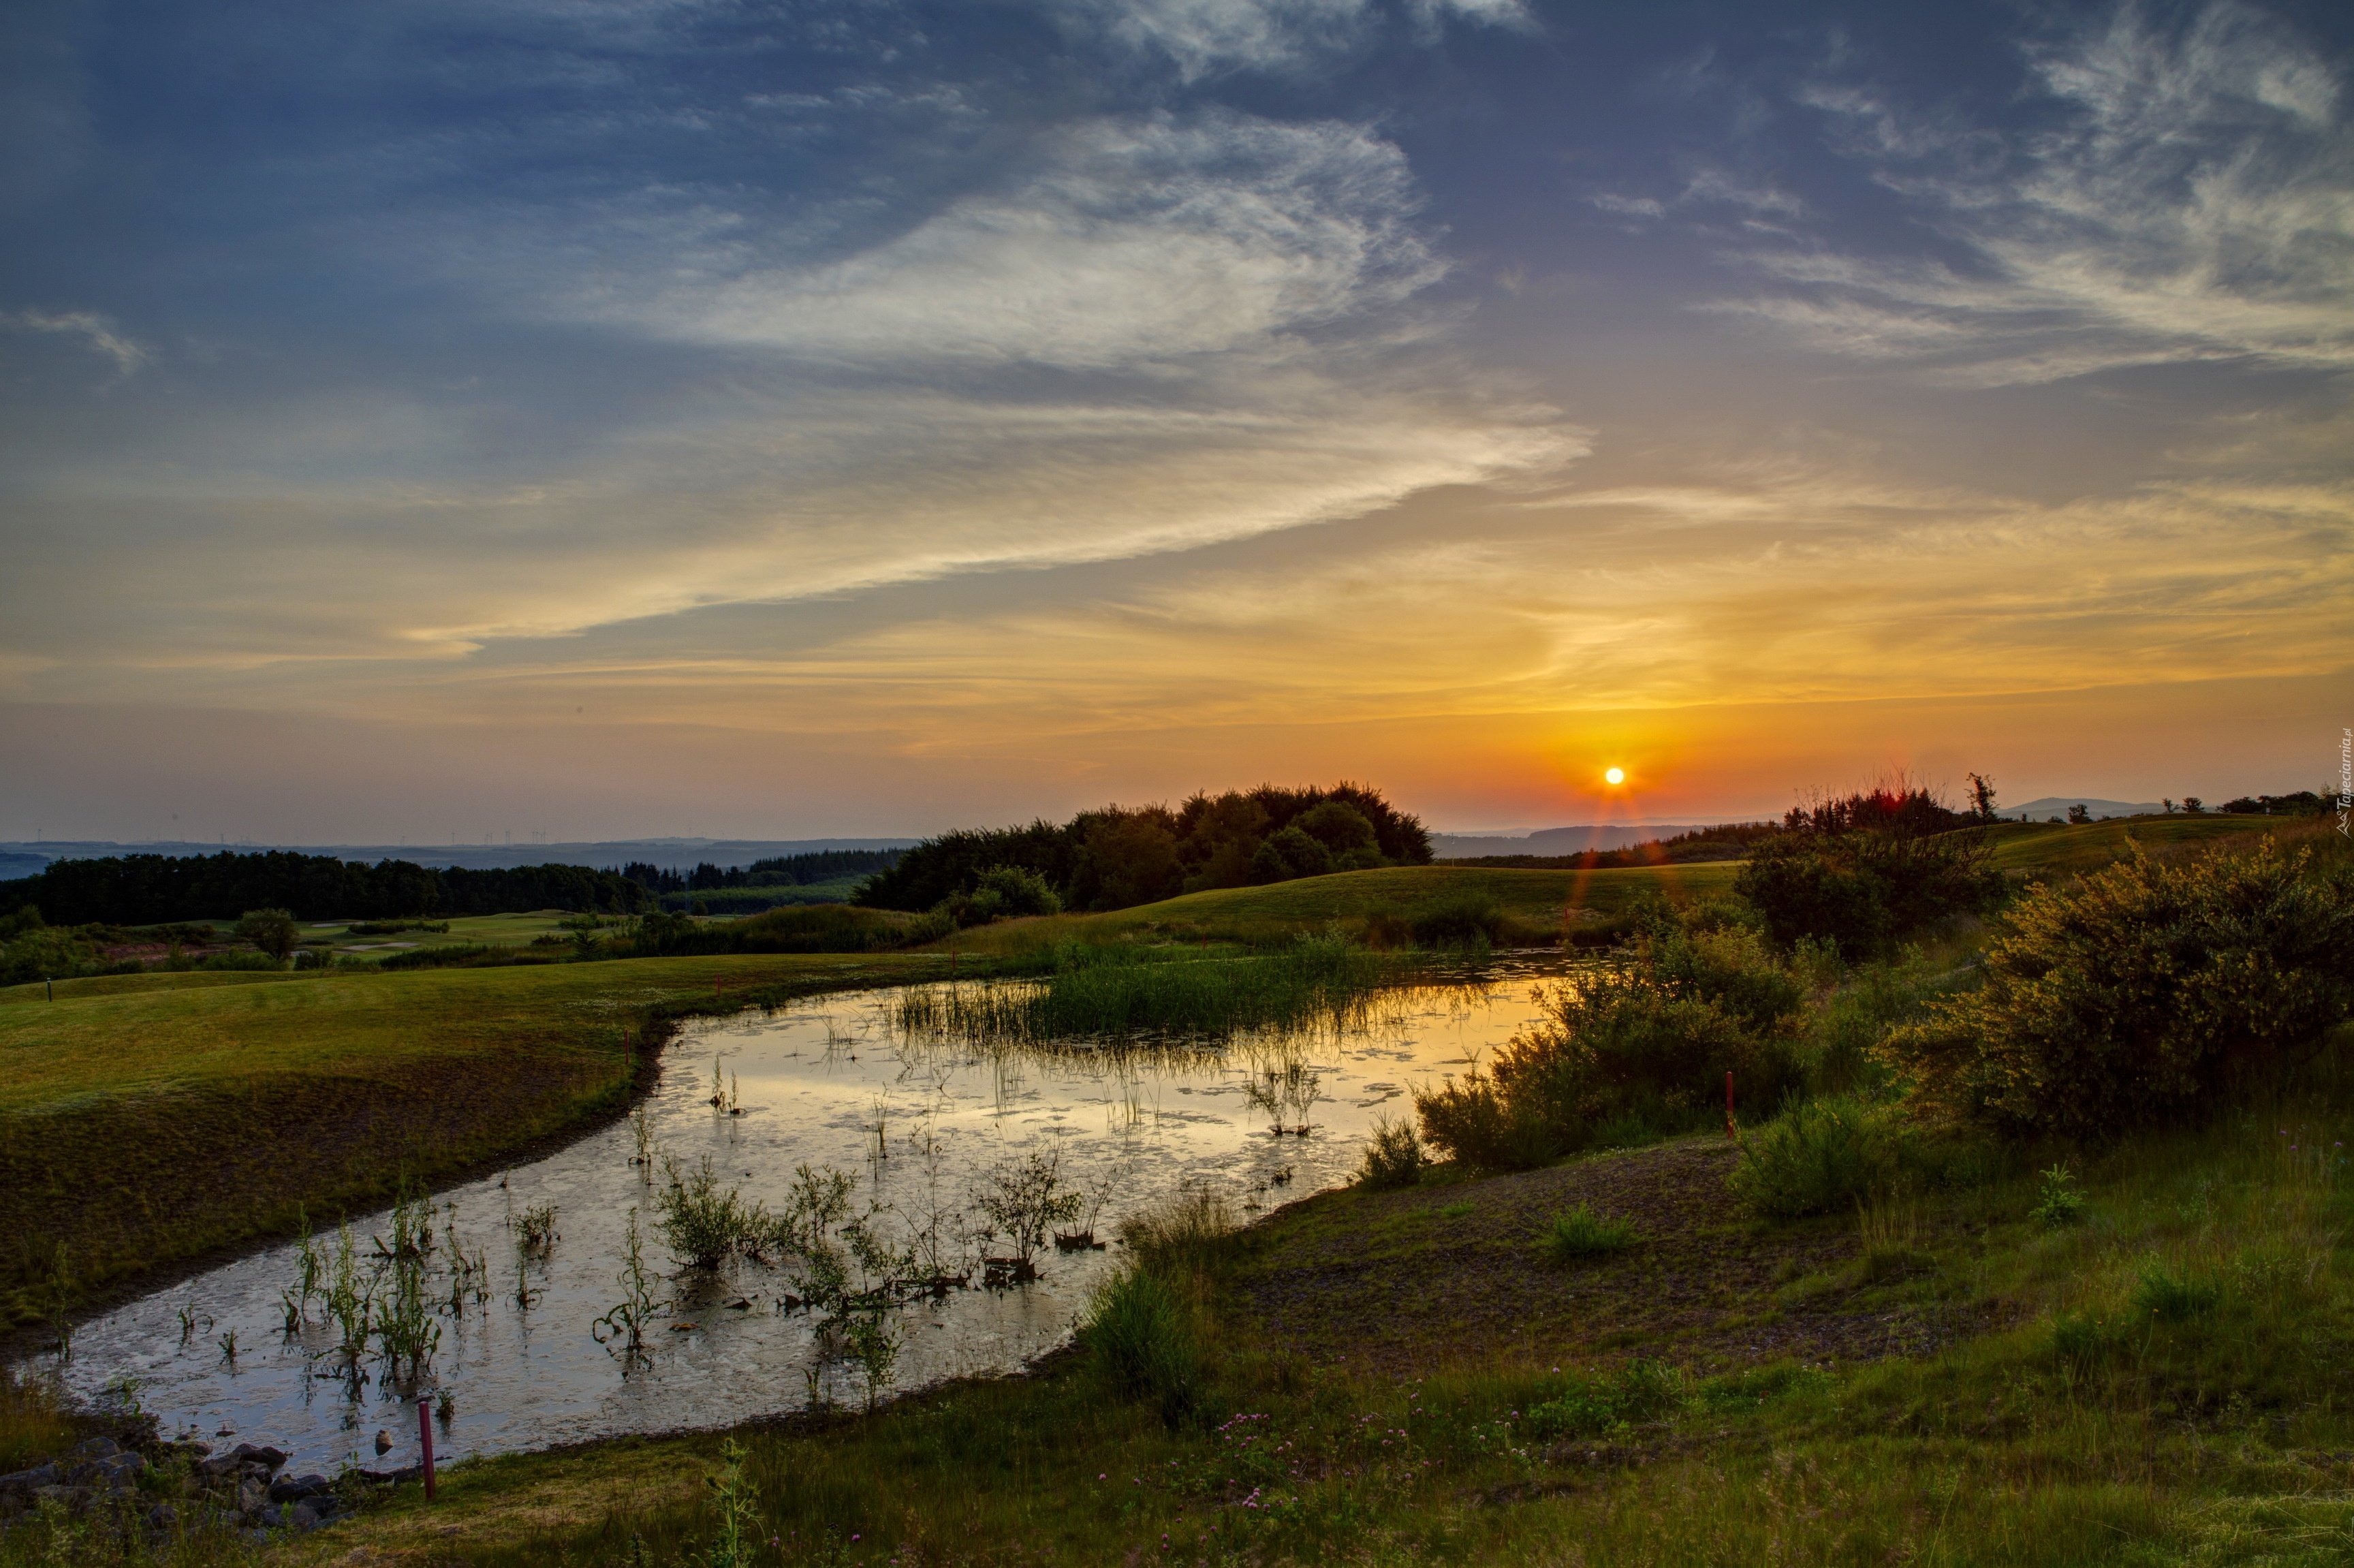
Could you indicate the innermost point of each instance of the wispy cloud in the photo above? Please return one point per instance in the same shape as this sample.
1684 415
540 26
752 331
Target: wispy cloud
1201 37
96 331
2191 198
1118 243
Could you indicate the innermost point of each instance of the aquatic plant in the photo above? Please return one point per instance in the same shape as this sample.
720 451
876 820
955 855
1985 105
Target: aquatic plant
350 1298
703 1223
535 1230
623 1329
1025 1198
1318 985
1285 1093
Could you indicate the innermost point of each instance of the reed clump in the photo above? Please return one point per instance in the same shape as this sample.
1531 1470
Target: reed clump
1316 985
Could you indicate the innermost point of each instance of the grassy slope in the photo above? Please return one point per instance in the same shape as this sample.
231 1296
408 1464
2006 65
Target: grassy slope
2218 1438
145 1124
1261 913
2056 847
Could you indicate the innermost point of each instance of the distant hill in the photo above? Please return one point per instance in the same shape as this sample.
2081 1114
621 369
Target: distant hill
27 859
2057 806
1574 840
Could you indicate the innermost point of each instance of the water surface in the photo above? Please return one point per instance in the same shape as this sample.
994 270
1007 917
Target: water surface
828 1082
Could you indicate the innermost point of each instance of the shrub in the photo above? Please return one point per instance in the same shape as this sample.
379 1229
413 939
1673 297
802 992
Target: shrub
1652 1040
701 1223
1581 1233
1866 889
1393 1156
1817 1156
2059 1201
2142 994
1139 1334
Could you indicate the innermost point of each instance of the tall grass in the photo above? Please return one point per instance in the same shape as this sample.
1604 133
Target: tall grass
1316 985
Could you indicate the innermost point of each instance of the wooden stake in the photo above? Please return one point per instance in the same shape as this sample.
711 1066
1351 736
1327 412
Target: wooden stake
1729 1128
425 1437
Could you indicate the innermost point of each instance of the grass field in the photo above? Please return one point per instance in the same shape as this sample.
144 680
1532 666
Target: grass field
1538 899
146 1120
1403 1378
2055 847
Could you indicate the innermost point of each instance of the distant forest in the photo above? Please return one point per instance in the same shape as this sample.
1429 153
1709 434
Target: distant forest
780 871
150 889
1124 855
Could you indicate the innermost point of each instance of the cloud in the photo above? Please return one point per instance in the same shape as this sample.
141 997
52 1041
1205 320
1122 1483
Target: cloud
1122 242
1136 337
96 332
1201 37
2192 198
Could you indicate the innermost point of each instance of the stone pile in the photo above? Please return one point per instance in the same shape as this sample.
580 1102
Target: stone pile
101 1477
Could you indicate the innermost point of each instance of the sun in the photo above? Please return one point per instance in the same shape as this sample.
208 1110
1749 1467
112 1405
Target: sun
1614 774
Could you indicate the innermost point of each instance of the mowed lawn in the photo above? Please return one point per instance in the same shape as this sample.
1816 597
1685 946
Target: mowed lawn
146 1120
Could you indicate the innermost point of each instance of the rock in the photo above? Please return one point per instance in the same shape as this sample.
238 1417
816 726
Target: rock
252 1496
302 1516
25 1480
97 1448
119 1470
163 1518
741 1304
383 1442
294 1489
257 1454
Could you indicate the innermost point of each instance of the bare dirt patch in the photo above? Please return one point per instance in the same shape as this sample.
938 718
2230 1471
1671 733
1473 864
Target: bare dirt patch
1406 1281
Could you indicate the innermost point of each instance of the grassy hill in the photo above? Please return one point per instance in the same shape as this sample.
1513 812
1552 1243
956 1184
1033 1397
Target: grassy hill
1534 900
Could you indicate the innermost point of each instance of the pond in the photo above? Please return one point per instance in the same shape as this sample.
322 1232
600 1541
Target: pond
833 1082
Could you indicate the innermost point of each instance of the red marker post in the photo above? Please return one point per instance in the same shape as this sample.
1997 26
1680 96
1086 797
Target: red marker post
1730 1131
425 1437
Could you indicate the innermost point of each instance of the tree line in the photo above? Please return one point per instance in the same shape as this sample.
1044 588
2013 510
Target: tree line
149 889
1124 855
778 871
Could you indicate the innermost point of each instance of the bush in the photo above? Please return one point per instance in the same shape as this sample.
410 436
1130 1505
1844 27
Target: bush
1001 892
1393 1156
270 931
1139 1334
1866 888
1816 1157
1650 1040
1581 1233
2143 994
703 1223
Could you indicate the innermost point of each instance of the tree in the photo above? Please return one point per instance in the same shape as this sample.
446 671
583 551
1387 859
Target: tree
1982 797
270 930
2079 815
2193 805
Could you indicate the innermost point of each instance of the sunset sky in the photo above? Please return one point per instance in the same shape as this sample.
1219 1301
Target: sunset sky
427 420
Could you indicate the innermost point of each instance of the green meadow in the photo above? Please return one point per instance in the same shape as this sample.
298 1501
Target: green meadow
2133 1351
